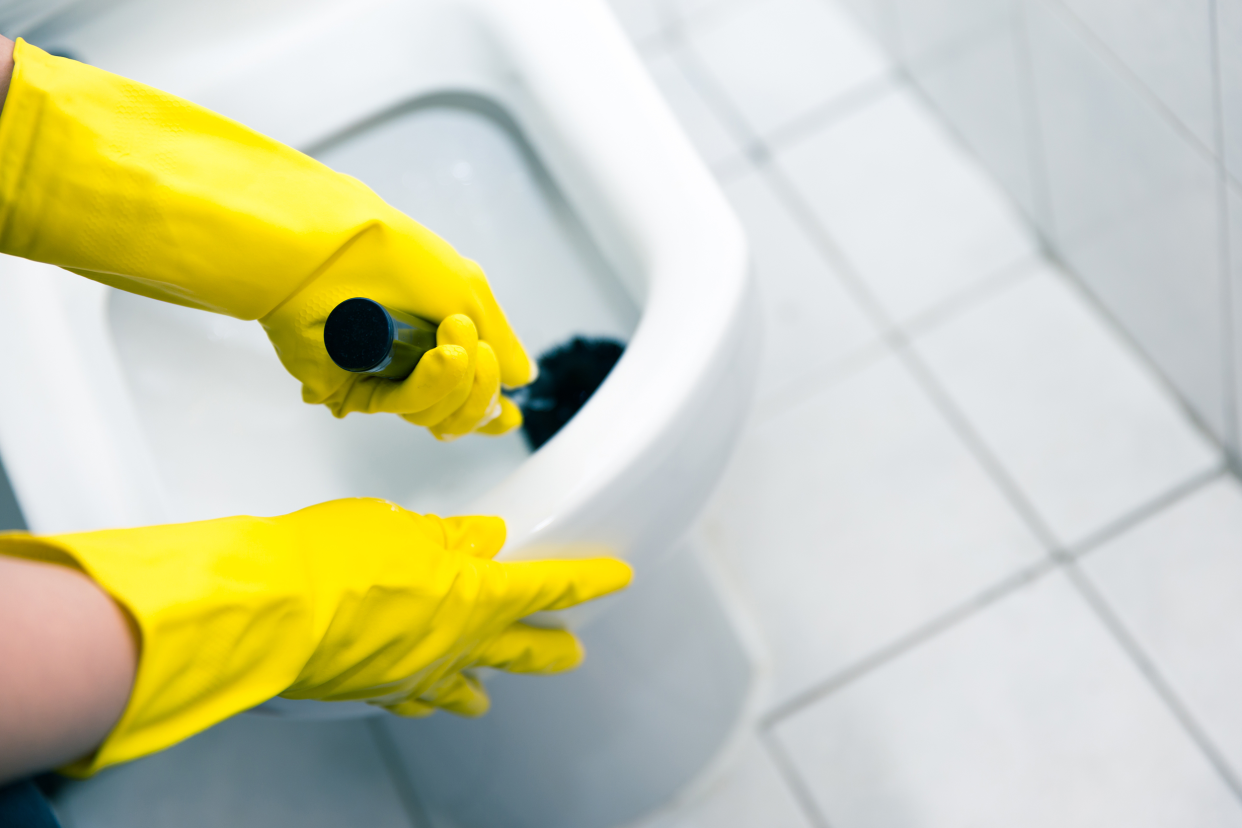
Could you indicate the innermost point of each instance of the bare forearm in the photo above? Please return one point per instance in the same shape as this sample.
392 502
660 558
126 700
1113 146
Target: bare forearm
67 662
67 656
6 68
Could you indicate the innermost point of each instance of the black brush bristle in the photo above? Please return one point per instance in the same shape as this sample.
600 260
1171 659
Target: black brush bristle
568 375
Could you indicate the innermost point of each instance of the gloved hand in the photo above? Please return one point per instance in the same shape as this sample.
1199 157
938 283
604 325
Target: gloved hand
149 193
353 599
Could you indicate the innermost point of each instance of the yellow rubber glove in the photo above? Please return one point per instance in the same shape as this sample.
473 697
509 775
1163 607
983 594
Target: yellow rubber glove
353 599
149 193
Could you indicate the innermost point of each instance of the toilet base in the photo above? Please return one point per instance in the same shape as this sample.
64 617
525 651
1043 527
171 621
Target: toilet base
666 690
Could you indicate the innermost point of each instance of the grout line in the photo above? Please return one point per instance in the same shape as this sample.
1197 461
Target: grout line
1030 215
758 147
710 14
1154 677
730 169
971 296
1145 511
714 95
716 98
795 393
399 773
935 58
789 772
1229 332
1056 560
908 642
1229 362
1050 252
1037 155
1045 236
831 111
792 394
853 282
978 447
671 30
1133 346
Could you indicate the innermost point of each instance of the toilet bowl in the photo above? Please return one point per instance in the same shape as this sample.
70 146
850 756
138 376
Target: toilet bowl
528 135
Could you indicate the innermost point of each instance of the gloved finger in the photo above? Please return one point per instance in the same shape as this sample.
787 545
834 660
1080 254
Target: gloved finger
441 371
479 536
484 396
459 693
510 417
410 709
516 367
522 648
554 585
458 330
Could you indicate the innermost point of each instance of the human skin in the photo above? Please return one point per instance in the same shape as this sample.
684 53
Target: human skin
68 653
69 658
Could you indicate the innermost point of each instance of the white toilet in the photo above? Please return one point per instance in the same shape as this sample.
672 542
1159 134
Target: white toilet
528 134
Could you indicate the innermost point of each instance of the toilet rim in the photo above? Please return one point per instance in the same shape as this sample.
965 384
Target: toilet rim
564 72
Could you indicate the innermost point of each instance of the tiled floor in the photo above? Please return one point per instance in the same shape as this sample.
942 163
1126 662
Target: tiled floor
999 571
997 566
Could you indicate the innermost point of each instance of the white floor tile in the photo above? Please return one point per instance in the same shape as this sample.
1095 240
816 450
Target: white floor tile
1080 424
644 20
1026 715
854 519
810 321
248 771
751 795
1176 582
710 137
917 217
1135 205
780 59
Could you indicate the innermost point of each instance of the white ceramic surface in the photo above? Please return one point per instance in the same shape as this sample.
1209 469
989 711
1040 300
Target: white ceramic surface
932 30
779 60
1085 431
857 516
751 795
1024 716
811 322
630 471
248 772
1135 205
1168 47
1229 42
712 137
533 139
1176 583
1234 196
916 218
979 88
913 743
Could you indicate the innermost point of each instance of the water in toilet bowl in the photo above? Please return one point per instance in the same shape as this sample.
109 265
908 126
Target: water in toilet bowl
226 424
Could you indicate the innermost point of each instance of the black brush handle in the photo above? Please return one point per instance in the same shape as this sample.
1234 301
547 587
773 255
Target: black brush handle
364 337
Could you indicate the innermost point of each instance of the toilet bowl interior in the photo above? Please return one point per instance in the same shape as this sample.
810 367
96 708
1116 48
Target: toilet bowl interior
226 426
215 425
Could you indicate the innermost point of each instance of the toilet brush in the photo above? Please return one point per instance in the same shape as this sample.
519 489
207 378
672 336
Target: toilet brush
365 337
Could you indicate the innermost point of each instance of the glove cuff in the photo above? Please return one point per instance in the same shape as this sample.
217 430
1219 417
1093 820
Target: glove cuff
214 639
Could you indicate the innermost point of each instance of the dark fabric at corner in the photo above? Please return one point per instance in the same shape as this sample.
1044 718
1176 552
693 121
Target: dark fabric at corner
23 806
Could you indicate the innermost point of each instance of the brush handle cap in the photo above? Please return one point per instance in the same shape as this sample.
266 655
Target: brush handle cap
364 337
